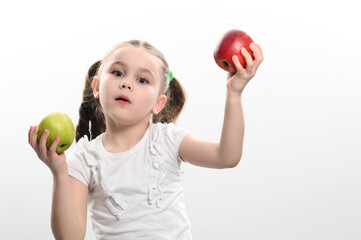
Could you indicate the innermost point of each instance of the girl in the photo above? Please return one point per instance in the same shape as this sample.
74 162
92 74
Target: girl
126 163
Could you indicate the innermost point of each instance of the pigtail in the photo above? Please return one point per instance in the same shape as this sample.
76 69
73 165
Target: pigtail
90 110
175 103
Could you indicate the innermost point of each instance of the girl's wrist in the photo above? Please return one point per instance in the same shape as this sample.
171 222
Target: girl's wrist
234 95
233 99
60 176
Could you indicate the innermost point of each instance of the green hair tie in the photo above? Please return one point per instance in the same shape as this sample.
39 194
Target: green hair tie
170 75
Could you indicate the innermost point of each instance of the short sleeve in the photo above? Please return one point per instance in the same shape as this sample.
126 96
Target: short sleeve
78 168
173 137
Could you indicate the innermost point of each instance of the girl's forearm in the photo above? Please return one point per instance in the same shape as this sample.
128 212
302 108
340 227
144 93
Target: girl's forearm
231 144
64 221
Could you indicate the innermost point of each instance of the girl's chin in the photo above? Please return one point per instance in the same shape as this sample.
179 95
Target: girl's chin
122 118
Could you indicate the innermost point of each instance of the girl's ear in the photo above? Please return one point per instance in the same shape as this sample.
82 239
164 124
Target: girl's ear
160 104
95 85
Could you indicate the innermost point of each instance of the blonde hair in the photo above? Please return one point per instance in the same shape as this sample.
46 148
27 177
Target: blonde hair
91 116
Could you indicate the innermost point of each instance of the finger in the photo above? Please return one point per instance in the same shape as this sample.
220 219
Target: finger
42 142
248 59
33 136
29 133
261 52
256 53
54 145
237 64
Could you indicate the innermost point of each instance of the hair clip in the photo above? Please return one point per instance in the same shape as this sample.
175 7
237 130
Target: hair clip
170 75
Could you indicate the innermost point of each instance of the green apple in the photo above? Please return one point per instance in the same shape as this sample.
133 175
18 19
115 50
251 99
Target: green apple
59 125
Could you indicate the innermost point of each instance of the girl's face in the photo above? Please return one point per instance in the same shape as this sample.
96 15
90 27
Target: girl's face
129 86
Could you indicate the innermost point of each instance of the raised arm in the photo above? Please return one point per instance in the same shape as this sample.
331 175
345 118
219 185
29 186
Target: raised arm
228 152
70 196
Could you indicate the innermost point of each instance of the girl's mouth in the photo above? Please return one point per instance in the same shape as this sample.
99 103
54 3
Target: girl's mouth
124 100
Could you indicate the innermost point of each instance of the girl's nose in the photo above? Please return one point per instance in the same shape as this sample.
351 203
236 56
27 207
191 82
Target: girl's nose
126 85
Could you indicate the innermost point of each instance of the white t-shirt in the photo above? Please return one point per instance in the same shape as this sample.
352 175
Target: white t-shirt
135 194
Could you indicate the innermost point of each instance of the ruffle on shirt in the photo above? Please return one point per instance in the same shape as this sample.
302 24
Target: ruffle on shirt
85 150
156 170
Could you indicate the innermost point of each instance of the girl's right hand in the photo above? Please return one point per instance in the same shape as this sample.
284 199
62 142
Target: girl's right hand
56 162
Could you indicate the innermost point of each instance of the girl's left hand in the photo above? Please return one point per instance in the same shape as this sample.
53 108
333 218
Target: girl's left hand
237 81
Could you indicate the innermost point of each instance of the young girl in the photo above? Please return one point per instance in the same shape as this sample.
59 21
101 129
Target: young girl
126 163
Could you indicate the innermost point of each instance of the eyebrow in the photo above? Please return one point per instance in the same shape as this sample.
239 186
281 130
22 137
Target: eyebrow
140 69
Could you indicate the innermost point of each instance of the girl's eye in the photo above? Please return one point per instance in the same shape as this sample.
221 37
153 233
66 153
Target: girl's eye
143 80
118 73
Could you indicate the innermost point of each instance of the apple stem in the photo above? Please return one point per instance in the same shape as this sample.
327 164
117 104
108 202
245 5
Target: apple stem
225 64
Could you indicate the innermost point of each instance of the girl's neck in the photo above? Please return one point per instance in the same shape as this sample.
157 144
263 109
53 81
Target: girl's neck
122 138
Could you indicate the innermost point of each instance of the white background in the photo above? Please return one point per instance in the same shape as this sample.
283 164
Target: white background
300 174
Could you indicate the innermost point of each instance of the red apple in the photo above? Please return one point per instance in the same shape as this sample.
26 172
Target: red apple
230 45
